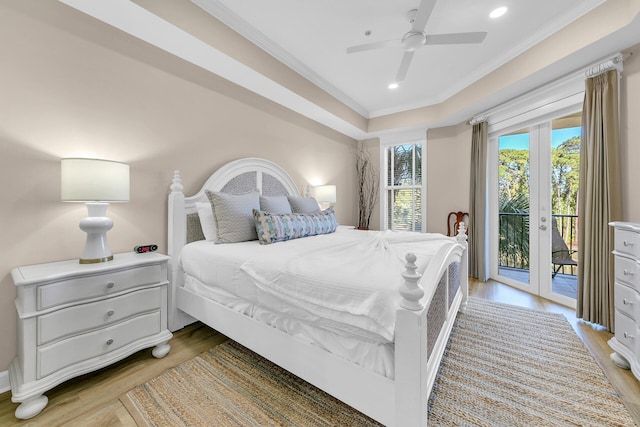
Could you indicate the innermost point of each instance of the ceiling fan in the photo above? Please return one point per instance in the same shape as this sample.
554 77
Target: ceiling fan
416 38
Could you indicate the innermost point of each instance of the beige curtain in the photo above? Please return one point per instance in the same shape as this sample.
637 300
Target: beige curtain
478 203
599 199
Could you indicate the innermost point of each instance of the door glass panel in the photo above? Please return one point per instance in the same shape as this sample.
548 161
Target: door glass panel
513 205
565 164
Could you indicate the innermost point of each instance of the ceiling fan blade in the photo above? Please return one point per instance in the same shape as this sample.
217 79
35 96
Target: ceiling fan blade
456 38
404 66
422 15
375 45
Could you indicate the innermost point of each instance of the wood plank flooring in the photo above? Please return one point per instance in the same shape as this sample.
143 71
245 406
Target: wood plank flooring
92 399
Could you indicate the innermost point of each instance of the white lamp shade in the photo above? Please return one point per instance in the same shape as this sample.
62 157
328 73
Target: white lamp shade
89 180
326 193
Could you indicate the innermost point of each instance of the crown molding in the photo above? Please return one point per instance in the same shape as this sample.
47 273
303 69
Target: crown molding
557 24
242 27
144 25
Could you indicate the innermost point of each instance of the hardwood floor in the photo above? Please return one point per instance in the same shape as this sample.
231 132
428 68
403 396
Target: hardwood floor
92 399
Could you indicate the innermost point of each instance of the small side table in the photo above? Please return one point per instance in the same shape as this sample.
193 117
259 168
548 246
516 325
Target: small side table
76 318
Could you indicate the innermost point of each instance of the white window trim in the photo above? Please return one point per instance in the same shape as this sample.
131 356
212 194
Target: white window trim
416 137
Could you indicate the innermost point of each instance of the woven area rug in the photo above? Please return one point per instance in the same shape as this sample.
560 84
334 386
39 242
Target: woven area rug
504 366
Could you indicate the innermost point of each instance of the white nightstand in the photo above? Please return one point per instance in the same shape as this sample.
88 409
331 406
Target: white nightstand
75 318
627 296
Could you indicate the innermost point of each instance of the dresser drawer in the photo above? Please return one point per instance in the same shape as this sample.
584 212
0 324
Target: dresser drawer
627 242
61 354
92 286
627 271
625 330
627 301
97 314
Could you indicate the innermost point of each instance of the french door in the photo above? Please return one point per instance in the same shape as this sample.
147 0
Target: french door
533 192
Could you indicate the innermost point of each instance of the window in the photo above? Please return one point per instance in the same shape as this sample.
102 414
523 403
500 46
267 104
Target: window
404 187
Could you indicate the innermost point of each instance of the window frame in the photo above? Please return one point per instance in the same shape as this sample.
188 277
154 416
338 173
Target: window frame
386 188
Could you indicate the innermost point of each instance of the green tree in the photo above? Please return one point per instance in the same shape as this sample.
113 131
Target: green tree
565 174
513 173
513 196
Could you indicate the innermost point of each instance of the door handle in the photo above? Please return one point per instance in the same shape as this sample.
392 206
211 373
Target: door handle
543 227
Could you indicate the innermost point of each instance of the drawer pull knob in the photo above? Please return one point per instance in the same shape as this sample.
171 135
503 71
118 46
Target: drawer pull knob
111 312
625 243
110 285
627 273
626 302
627 335
110 341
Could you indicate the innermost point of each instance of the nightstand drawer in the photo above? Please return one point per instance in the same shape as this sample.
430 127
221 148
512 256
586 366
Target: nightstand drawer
92 286
54 357
625 330
627 271
98 314
627 300
627 242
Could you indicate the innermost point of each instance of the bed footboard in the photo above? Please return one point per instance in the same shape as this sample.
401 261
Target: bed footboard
419 348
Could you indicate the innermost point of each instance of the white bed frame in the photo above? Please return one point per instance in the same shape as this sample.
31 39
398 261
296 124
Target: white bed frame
401 402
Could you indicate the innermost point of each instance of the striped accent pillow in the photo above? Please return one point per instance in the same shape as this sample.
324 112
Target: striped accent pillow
272 228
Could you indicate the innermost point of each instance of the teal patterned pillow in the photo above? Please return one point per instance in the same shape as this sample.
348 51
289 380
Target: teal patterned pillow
272 228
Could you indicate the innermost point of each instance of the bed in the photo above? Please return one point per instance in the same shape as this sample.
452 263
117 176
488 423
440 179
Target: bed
368 329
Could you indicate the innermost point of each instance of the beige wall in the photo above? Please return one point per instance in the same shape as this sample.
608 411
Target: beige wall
630 136
448 160
72 86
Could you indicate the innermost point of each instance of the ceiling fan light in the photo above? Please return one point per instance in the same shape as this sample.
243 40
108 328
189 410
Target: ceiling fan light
498 12
413 40
393 85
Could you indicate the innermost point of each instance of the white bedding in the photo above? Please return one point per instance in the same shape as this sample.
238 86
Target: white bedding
345 282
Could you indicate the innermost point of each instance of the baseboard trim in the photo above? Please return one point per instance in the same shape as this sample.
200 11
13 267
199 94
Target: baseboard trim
4 381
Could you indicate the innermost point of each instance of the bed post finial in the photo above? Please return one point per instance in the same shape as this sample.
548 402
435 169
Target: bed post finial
176 182
410 289
461 237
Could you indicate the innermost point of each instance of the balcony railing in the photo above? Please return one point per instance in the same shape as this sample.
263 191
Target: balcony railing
514 239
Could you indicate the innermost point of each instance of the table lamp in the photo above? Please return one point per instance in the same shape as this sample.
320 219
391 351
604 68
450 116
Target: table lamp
326 194
95 182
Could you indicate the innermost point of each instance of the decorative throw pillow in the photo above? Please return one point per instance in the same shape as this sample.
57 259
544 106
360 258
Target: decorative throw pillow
272 228
207 221
275 204
303 204
234 215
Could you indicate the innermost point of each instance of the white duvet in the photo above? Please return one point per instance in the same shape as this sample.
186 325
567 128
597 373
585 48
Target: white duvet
345 282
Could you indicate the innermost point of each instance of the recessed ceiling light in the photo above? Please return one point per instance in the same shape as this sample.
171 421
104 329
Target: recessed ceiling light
496 13
393 85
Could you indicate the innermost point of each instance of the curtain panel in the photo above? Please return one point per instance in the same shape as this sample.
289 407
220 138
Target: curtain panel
599 199
478 203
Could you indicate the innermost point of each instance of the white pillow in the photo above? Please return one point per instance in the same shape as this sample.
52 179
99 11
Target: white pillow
207 221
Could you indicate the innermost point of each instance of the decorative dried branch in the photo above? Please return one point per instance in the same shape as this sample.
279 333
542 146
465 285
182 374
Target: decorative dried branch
368 186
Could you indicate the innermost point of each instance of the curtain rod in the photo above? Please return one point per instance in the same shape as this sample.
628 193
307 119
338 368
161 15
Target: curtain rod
613 63
477 119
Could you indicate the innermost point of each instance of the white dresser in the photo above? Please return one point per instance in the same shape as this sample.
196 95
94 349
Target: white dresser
626 342
75 318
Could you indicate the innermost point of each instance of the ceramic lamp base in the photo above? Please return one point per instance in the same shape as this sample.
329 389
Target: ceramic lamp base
96 225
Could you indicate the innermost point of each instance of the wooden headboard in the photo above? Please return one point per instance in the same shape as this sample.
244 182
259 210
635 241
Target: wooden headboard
239 176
